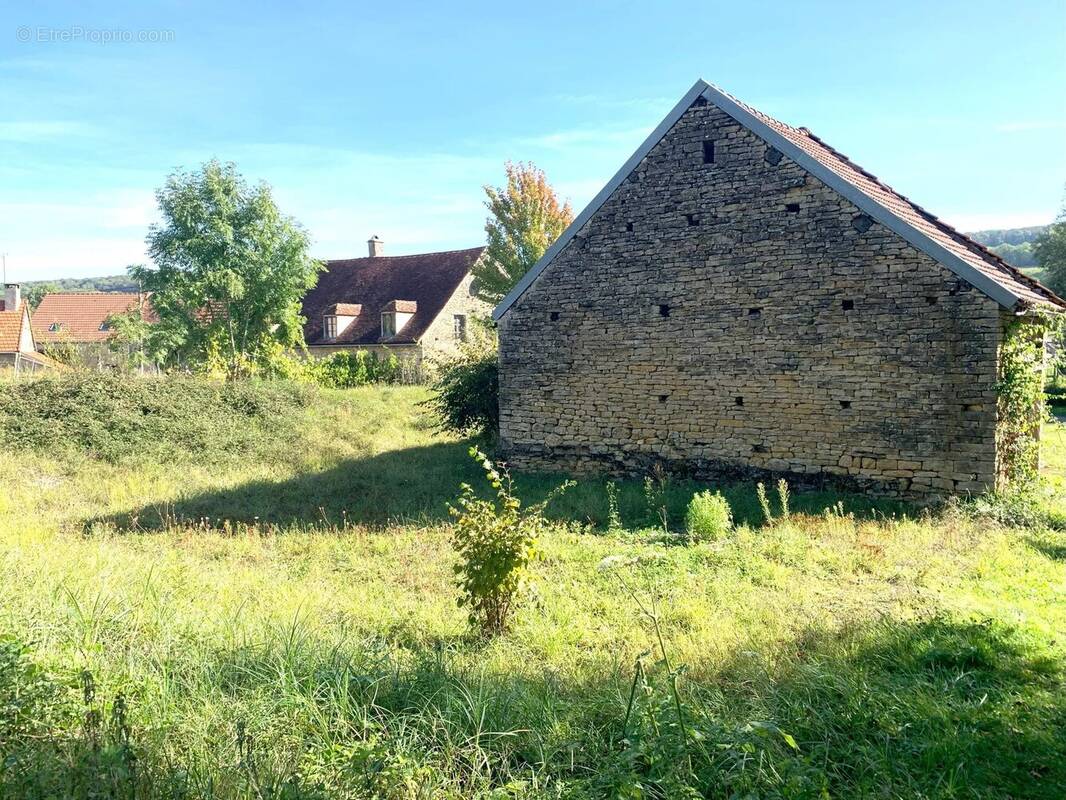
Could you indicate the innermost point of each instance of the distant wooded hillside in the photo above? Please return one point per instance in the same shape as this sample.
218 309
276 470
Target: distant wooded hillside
1013 245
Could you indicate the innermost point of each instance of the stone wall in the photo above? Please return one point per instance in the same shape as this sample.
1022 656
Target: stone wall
439 339
740 317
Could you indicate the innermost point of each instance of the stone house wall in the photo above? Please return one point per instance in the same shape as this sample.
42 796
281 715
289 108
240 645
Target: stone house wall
740 317
439 339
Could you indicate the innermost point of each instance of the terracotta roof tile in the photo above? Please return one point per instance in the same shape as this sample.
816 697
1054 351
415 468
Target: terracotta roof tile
11 328
79 316
402 306
344 309
426 279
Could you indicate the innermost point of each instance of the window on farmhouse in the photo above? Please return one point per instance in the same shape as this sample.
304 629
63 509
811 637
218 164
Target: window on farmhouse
459 327
55 327
329 327
388 324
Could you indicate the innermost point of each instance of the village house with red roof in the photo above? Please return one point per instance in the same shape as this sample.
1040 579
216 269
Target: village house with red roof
17 346
82 320
743 301
416 307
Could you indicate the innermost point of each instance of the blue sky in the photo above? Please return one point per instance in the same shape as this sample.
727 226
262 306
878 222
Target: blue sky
387 118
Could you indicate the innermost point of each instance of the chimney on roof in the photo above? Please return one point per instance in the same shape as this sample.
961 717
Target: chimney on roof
12 296
375 246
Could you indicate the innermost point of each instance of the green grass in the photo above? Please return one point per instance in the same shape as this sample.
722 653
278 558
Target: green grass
276 617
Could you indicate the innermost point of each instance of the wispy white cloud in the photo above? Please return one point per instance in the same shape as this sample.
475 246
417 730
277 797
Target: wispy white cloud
72 256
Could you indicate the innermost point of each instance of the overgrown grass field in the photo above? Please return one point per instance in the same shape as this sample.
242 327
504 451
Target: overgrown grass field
248 593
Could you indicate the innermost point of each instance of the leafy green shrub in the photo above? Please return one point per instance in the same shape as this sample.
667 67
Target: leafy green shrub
123 417
26 694
63 352
495 542
347 369
1021 405
49 744
466 392
656 487
708 517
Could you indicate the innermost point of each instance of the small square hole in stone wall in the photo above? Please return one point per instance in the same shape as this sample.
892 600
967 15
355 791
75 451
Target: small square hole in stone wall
738 401
755 311
930 300
629 227
861 223
664 310
663 398
708 151
773 156
845 404
760 448
792 208
692 219
554 316
847 305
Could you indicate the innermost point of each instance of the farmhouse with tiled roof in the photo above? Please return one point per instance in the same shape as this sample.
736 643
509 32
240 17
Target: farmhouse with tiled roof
741 299
17 347
414 306
82 320
82 317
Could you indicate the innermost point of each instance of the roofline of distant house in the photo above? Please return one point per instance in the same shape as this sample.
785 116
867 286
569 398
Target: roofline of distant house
82 292
875 210
405 255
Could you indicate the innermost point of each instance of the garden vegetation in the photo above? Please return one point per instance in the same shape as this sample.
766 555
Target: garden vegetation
249 590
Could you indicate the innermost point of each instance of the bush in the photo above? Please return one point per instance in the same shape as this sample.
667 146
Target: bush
466 392
495 541
708 517
122 417
63 352
348 369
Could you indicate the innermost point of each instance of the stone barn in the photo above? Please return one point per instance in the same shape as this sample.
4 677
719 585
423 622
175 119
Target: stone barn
740 300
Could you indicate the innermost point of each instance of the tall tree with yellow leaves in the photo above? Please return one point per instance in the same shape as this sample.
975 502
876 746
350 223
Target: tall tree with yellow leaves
525 218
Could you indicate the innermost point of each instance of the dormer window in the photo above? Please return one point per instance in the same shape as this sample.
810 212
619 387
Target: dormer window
329 327
55 327
395 315
337 318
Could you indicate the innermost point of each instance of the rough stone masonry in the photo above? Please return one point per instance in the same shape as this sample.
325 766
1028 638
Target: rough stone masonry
725 313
